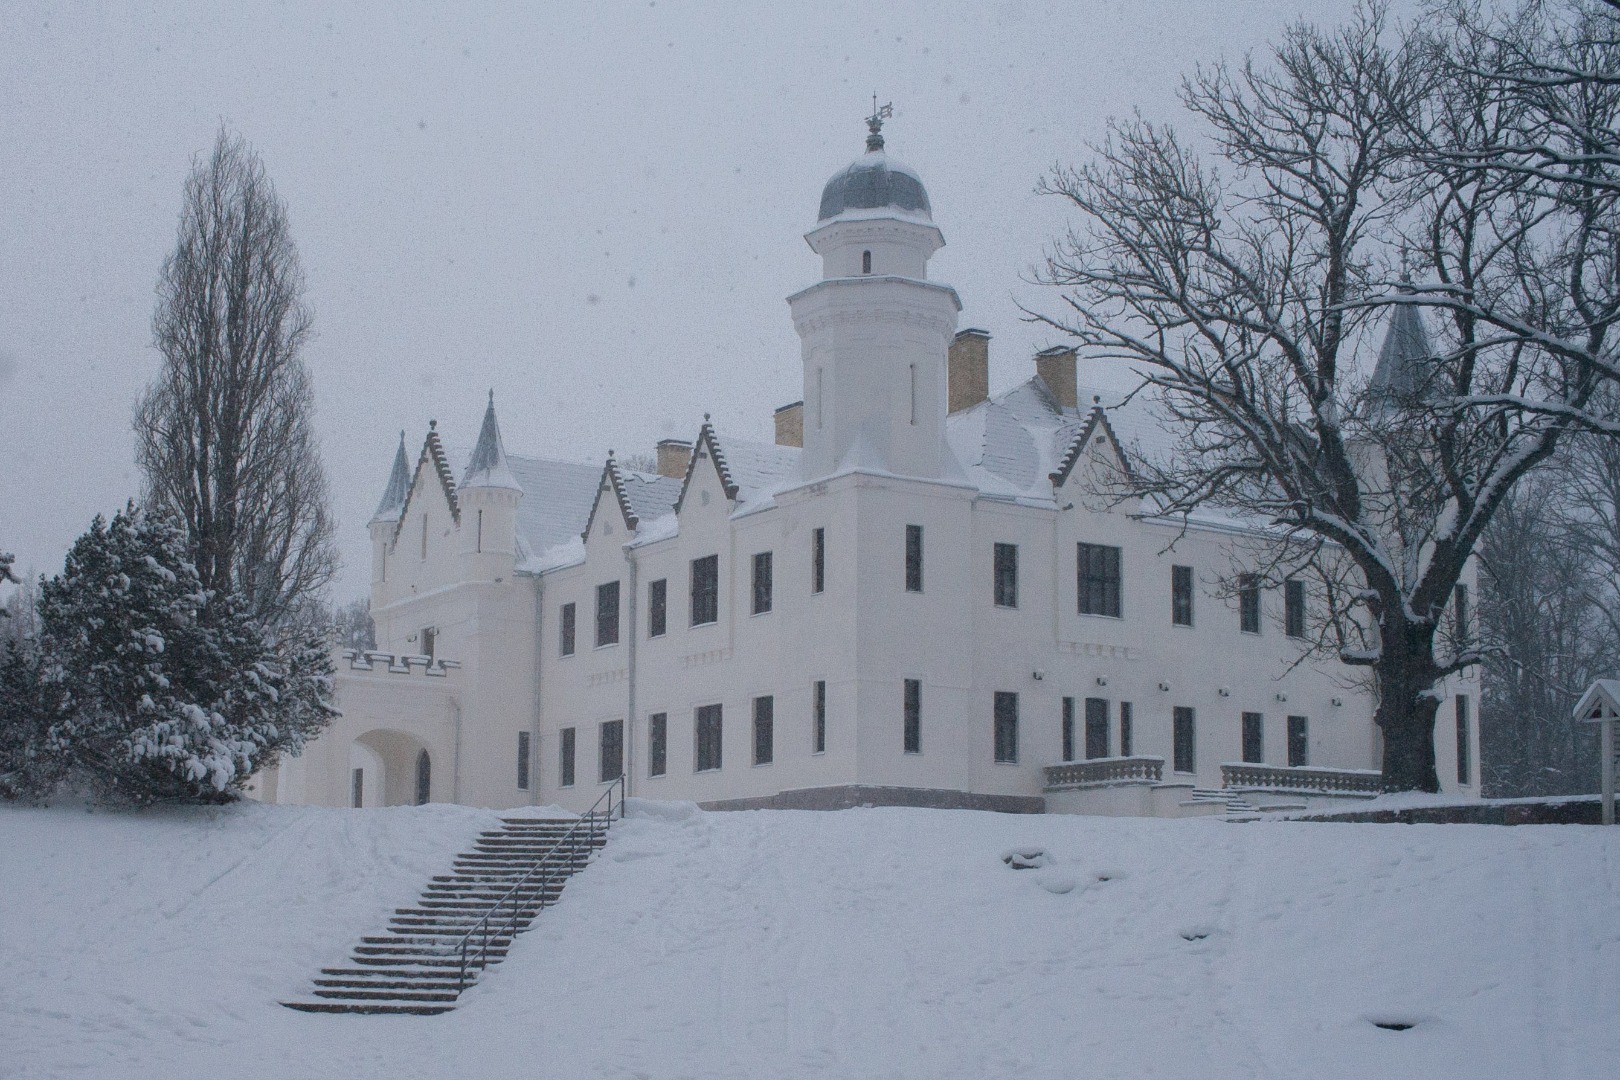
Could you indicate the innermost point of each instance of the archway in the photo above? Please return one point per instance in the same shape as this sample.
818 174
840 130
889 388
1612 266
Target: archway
390 768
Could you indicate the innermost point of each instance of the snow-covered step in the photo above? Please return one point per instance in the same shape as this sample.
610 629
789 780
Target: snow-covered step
416 967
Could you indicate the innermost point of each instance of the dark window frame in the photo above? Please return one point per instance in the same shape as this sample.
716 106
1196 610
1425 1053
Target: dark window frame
818 560
1184 739
705 590
764 729
1127 736
607 614
762 583
657 744
1067 729
567 623
1100 580
1181 595
609 751
567 743
1005 720
1465 755
658 608
818 716
708 737
424 777
1097 710
911 730
914 558
1294 608
1252 750
524 760
1005 571
1299 742
1248 592
1460 614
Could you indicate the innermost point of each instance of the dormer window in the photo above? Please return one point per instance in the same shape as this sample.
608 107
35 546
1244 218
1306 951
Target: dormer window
866 262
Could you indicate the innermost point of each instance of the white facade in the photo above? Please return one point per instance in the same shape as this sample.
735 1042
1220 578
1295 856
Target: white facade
910 659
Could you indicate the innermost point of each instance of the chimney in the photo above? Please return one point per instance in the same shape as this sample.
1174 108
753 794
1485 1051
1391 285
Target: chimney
673 456
1055 366
790 425
968 381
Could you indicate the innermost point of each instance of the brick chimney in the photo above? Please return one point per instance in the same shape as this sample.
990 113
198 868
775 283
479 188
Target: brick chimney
673 456
1055 366
790 425
968 379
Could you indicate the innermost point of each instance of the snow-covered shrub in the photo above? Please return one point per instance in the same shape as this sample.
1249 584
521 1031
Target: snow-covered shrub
29 770
168 691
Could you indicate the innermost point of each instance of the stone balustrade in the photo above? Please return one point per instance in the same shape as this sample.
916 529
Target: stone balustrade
1301 780
1105 772
397 664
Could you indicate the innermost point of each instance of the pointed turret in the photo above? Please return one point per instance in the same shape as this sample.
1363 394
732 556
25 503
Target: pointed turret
399 486
1403 362
488 467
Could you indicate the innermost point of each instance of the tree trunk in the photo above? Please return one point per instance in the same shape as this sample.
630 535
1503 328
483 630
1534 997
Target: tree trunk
1407 708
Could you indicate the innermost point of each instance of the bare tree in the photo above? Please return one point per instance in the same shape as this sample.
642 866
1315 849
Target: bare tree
1238 287
223 435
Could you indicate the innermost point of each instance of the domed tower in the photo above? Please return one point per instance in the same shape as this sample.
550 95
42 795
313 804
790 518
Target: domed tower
875 330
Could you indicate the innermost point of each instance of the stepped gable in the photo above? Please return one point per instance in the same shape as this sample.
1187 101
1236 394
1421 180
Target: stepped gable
641 496
392 507
1082 439
495 891
433 451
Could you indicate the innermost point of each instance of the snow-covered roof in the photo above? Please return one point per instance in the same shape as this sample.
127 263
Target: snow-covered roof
399 486
488 466
1399 373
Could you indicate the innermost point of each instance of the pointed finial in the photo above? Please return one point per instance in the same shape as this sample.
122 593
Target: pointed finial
610 453
874 124
433 425
492 397
705 418
1096 399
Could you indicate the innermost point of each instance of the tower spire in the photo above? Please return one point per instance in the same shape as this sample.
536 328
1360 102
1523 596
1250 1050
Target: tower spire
399 486
874 124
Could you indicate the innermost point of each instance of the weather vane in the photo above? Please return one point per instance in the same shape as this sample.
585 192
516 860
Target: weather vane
874 123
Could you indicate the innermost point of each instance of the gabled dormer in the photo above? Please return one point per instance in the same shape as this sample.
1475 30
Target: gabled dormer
1094 466
612 520
708 492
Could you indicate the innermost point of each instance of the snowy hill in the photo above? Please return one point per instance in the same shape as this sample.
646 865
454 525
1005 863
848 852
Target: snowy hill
866 943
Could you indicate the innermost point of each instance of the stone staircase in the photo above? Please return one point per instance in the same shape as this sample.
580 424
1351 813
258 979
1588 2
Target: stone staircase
463 922
1238 805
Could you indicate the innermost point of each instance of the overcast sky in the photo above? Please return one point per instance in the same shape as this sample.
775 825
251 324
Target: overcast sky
594 209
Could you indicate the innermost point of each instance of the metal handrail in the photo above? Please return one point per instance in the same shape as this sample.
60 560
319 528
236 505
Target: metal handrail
485 932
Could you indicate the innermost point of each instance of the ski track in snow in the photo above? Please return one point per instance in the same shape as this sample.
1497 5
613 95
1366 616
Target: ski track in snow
883 943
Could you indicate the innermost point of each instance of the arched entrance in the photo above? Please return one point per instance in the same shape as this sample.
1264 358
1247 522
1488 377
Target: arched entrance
389 768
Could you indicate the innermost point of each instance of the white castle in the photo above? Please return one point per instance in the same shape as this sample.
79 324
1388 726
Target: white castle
915 596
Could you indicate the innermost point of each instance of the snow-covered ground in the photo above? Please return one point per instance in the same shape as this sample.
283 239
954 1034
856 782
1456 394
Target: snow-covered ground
866 943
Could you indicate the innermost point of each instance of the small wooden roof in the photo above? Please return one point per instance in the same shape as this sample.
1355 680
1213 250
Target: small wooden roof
1600 702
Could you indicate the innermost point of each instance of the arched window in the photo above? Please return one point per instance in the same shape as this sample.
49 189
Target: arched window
424 777
866 262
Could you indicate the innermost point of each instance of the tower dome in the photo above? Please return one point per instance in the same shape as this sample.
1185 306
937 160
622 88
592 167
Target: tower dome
875 181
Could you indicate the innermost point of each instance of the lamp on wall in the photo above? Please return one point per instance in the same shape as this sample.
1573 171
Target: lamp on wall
1039 674
1282 697
1164 686
1224 692
1102 680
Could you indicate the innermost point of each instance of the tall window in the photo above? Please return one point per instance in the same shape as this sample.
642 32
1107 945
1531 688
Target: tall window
764 730
914 558
523 761
866 262
610 751
1254 737
1299 744
607 614
912 735
565 758
429 641
818 560
762 582
1459 613
1249 603
657 607
1099 580
1096 727
1127 742
1068 729
1465 770
818 717
1006 570
1006 726
565 632
424 777
1183 739
357 787
1181 595
708 738
705 590
1294 608
657 744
